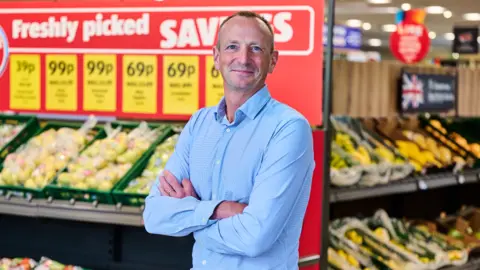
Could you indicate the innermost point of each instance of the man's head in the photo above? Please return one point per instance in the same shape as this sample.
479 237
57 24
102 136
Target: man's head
245 53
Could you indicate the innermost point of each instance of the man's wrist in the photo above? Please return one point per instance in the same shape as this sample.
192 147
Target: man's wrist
205 210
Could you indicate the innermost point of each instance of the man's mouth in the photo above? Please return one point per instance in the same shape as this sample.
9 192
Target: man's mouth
243 71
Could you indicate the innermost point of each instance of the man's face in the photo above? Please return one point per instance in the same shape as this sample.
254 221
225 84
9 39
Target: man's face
245 55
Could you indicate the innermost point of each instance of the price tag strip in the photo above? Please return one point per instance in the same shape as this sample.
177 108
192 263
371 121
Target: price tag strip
150 64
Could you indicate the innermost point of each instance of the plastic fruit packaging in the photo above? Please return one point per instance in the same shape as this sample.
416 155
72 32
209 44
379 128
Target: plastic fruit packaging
8 132
107 160
36 162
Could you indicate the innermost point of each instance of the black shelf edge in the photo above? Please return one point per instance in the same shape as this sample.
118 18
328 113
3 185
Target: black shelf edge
408 185
471 265
85 212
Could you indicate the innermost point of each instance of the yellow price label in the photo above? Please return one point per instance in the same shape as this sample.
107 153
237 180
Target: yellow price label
140 80
100 83
180 84
61 80
25 82
213 83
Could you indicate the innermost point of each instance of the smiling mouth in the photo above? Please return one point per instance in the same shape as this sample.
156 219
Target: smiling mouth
242 71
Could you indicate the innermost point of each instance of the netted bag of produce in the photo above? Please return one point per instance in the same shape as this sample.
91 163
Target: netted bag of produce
35 163
107 160
375 170
435 253
8 132
156 164
344 169
343 254
389 254
49 264
17 264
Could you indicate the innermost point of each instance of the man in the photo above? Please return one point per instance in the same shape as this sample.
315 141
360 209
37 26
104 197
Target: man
240 176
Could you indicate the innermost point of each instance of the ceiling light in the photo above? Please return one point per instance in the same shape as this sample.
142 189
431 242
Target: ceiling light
391 10
354 23
432 35
447 14
389 28
406 6
435 9
472 16
375 42
478 39
366 26
449 36
379 1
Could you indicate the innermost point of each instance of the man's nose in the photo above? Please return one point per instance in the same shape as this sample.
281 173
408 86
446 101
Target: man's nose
243 55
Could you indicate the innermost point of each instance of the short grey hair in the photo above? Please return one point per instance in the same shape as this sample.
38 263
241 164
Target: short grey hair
248 14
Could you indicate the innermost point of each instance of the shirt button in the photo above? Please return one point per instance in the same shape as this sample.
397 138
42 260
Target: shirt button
204 262
228 130
218 162
213 196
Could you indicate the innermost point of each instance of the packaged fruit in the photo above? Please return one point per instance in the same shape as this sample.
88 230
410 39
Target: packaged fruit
17 264
155 166
35 163
8 132
49 264
107 160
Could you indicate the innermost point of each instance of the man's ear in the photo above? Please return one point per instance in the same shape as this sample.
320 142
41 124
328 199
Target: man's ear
273 61
216 56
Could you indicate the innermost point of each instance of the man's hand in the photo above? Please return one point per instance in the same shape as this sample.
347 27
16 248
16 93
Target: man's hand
170 187
228 209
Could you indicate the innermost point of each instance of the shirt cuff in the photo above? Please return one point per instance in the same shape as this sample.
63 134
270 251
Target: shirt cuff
204 211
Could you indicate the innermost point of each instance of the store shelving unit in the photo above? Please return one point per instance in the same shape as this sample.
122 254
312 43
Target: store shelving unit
106 236
408 185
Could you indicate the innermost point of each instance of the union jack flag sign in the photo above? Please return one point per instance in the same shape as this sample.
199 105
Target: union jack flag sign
412 91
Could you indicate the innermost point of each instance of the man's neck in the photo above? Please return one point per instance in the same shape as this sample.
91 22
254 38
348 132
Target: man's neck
235 99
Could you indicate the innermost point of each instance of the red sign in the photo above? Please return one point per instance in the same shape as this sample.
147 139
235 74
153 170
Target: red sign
148 59
410 43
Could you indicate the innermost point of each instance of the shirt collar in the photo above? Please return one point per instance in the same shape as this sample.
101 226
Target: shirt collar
250 108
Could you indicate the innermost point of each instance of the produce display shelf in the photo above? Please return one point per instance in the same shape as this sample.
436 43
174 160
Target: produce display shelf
69 210
408 185
474 264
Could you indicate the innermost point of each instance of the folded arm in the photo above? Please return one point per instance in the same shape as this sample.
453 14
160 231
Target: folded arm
177 216
281 188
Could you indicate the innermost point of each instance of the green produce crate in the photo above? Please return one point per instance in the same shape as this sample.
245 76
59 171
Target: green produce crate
92 195
21 191
131 198
127 198
31 126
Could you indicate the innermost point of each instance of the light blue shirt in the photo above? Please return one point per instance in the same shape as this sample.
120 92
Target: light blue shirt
264 159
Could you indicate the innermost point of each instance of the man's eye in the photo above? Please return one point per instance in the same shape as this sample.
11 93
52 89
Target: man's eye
231 47
256 49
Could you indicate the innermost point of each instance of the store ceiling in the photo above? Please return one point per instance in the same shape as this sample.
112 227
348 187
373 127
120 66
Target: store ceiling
378 15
